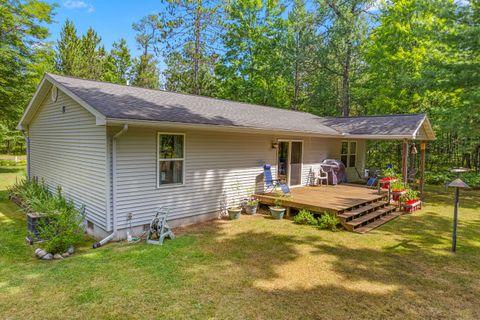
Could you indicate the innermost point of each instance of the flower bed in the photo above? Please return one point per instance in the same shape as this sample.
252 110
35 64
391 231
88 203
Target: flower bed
52 219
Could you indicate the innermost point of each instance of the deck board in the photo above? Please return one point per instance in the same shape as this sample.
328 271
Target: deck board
335 199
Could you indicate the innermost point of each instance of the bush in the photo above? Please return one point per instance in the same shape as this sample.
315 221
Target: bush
61 230
305 217
328 221
12 163
63 223
441 178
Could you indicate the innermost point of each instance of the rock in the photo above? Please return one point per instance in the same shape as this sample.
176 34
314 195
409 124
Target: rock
57 256
40 253
48 256
71 250
66 254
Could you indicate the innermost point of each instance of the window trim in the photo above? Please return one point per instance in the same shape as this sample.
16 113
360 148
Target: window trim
161 186
349 153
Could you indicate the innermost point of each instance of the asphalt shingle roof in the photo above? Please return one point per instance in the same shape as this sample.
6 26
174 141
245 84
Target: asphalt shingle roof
395 125
120 102
128 102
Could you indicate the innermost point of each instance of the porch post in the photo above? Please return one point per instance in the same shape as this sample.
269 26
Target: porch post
405 161
423 151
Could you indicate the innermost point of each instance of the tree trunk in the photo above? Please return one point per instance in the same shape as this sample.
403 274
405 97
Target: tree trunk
346 84
196 58
296 85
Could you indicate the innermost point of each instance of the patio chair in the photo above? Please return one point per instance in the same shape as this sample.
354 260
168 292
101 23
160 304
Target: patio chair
320 175
159 229
372 182
272 184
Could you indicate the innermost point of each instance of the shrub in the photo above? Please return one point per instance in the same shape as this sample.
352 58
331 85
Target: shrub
62 229
305 217
328 221
63 223
12 163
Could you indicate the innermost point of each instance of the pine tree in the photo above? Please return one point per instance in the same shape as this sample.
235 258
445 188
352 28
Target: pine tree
145 72
190 43
68 51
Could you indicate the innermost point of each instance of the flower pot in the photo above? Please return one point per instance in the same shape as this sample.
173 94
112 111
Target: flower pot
234 213
251 209
277 212
396 194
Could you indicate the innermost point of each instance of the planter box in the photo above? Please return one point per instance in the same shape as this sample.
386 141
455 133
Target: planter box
397 194
411 205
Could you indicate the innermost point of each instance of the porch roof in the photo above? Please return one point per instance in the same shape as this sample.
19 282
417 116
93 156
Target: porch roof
408 126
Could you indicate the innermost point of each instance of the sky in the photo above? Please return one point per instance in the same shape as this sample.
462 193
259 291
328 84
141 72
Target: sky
111 19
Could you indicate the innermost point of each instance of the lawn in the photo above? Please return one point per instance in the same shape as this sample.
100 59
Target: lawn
255 268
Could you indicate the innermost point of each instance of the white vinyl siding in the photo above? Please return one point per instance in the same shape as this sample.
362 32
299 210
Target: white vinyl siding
68 149
214 163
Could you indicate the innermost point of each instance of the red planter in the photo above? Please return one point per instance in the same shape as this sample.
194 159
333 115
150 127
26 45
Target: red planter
411 205
385 182
396 194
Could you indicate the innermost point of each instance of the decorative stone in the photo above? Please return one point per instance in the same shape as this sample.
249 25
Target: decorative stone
71 250
57 256
66 254
48 256
40 253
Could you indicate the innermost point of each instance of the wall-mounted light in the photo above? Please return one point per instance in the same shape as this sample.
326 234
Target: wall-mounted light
64 108
274 145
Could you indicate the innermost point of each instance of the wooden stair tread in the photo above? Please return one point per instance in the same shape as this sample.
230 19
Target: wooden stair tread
378 222
368 207
370 216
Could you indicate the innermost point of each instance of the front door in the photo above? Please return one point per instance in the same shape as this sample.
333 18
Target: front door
290 155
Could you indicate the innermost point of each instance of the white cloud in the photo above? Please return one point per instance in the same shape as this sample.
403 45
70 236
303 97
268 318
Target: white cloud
78 4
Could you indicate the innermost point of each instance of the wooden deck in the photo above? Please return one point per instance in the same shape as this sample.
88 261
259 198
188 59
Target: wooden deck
334 199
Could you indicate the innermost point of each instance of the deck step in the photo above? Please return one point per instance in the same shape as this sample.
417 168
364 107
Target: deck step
377 223
362 210
370 217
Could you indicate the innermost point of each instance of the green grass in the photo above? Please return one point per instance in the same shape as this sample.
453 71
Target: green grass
256 268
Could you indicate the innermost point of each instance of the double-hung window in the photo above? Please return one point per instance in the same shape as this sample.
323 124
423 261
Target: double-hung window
348 154
170 158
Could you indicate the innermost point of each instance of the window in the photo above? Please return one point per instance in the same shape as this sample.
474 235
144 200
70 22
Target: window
171 158
348 154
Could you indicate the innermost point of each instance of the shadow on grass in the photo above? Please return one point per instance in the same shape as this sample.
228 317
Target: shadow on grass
256 268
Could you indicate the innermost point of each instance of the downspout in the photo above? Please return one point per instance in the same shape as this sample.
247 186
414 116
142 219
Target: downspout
114 188
26 135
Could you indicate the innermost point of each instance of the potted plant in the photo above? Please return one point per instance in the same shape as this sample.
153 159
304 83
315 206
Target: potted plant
398 189
277 211
251 205
389 176
410 201
235 210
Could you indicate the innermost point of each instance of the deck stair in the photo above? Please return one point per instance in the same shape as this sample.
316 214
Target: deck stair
368 216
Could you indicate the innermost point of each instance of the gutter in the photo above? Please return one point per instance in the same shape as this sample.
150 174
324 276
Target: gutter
114 188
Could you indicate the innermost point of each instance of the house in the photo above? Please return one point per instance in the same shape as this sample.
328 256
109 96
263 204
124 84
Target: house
123 151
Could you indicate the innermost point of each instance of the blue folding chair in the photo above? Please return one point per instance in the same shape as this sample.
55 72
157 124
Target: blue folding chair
371 182
272 184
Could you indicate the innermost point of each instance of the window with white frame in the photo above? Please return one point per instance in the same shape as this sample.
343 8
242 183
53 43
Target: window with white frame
348 154
171 158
